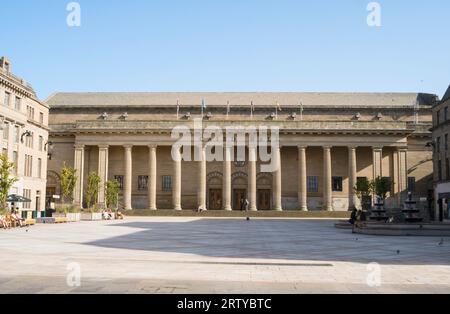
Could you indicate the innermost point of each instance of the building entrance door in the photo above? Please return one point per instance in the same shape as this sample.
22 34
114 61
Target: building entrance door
238 196
215 199
264 199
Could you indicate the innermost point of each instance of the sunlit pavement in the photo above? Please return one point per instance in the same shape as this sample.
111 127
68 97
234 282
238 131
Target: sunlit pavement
190 255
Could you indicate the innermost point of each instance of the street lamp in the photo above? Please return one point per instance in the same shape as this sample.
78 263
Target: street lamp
27 134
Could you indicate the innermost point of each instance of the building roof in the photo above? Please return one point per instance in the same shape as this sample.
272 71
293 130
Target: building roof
446 95
239 99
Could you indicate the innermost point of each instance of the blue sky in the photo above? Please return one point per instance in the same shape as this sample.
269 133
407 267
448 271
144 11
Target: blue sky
232 45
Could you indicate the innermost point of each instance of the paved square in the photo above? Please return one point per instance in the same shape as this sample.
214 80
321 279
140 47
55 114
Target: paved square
190 255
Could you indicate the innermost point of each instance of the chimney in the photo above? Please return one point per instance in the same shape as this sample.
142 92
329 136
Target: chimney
5 64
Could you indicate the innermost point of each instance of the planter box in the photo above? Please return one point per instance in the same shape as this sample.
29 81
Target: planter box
91 216
71 217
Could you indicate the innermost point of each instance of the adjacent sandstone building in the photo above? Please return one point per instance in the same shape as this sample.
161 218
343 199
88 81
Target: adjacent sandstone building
24 138
441 133
328 142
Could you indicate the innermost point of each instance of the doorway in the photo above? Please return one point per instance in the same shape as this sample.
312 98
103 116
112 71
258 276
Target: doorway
238 195
264 199
215 199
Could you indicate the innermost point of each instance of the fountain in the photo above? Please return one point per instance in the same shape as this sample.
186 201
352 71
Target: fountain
378 213
410 210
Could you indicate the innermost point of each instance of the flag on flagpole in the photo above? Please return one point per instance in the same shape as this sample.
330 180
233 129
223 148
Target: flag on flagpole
203 106
301 111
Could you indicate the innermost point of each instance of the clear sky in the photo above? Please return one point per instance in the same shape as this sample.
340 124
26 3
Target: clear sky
228 45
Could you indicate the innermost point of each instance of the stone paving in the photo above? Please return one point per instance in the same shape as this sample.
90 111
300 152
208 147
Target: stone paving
191 255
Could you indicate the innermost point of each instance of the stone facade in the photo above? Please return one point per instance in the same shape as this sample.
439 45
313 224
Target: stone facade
327 142
440 144
24 137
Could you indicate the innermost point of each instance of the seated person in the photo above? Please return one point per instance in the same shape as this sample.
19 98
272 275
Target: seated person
4 222
16 217
120 215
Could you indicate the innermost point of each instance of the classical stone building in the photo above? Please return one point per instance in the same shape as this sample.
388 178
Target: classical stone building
24 137
327 141
441 133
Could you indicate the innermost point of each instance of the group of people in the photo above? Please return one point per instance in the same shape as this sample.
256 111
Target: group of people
108 215
7 220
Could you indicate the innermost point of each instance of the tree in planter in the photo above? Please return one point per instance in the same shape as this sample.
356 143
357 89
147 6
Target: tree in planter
112 193
68 182
92 189
6 180
381 187
364 190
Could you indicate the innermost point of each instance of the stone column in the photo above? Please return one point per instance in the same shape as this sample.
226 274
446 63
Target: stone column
252 178
395 177
277 194
201 193
227 179
302 185
352 177
402 173
377 162
79 167
327 189
128 176
152 178
176 189
103 161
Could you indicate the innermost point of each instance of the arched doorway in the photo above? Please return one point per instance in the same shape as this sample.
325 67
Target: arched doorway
215 201
264 191
53 187
239 185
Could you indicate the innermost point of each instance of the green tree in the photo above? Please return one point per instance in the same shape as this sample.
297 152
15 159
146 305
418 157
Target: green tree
364 190
381 187
112 193
68 182
92 189
6 180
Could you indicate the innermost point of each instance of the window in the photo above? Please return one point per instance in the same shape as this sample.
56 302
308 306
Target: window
4 152
28 166
39 168
16 135
438 116
167 183
30 112
6 132
440 170
27 194
313 184
15 161
142 183
412 184
119 179
41 143
7 99
18 104
337 184
446 142
446 114
41 118
438 144
29 140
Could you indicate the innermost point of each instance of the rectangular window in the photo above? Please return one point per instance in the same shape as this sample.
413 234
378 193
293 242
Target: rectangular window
39 168
445 113
337 184
438 117
27 194
412 184
28 166
313 184
440 170
167 183
18 104
16 134
29 140
30 113
4 152
446 142
438 144
15 161
6 132
41 118
7 99
119 179
142 183
41 143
